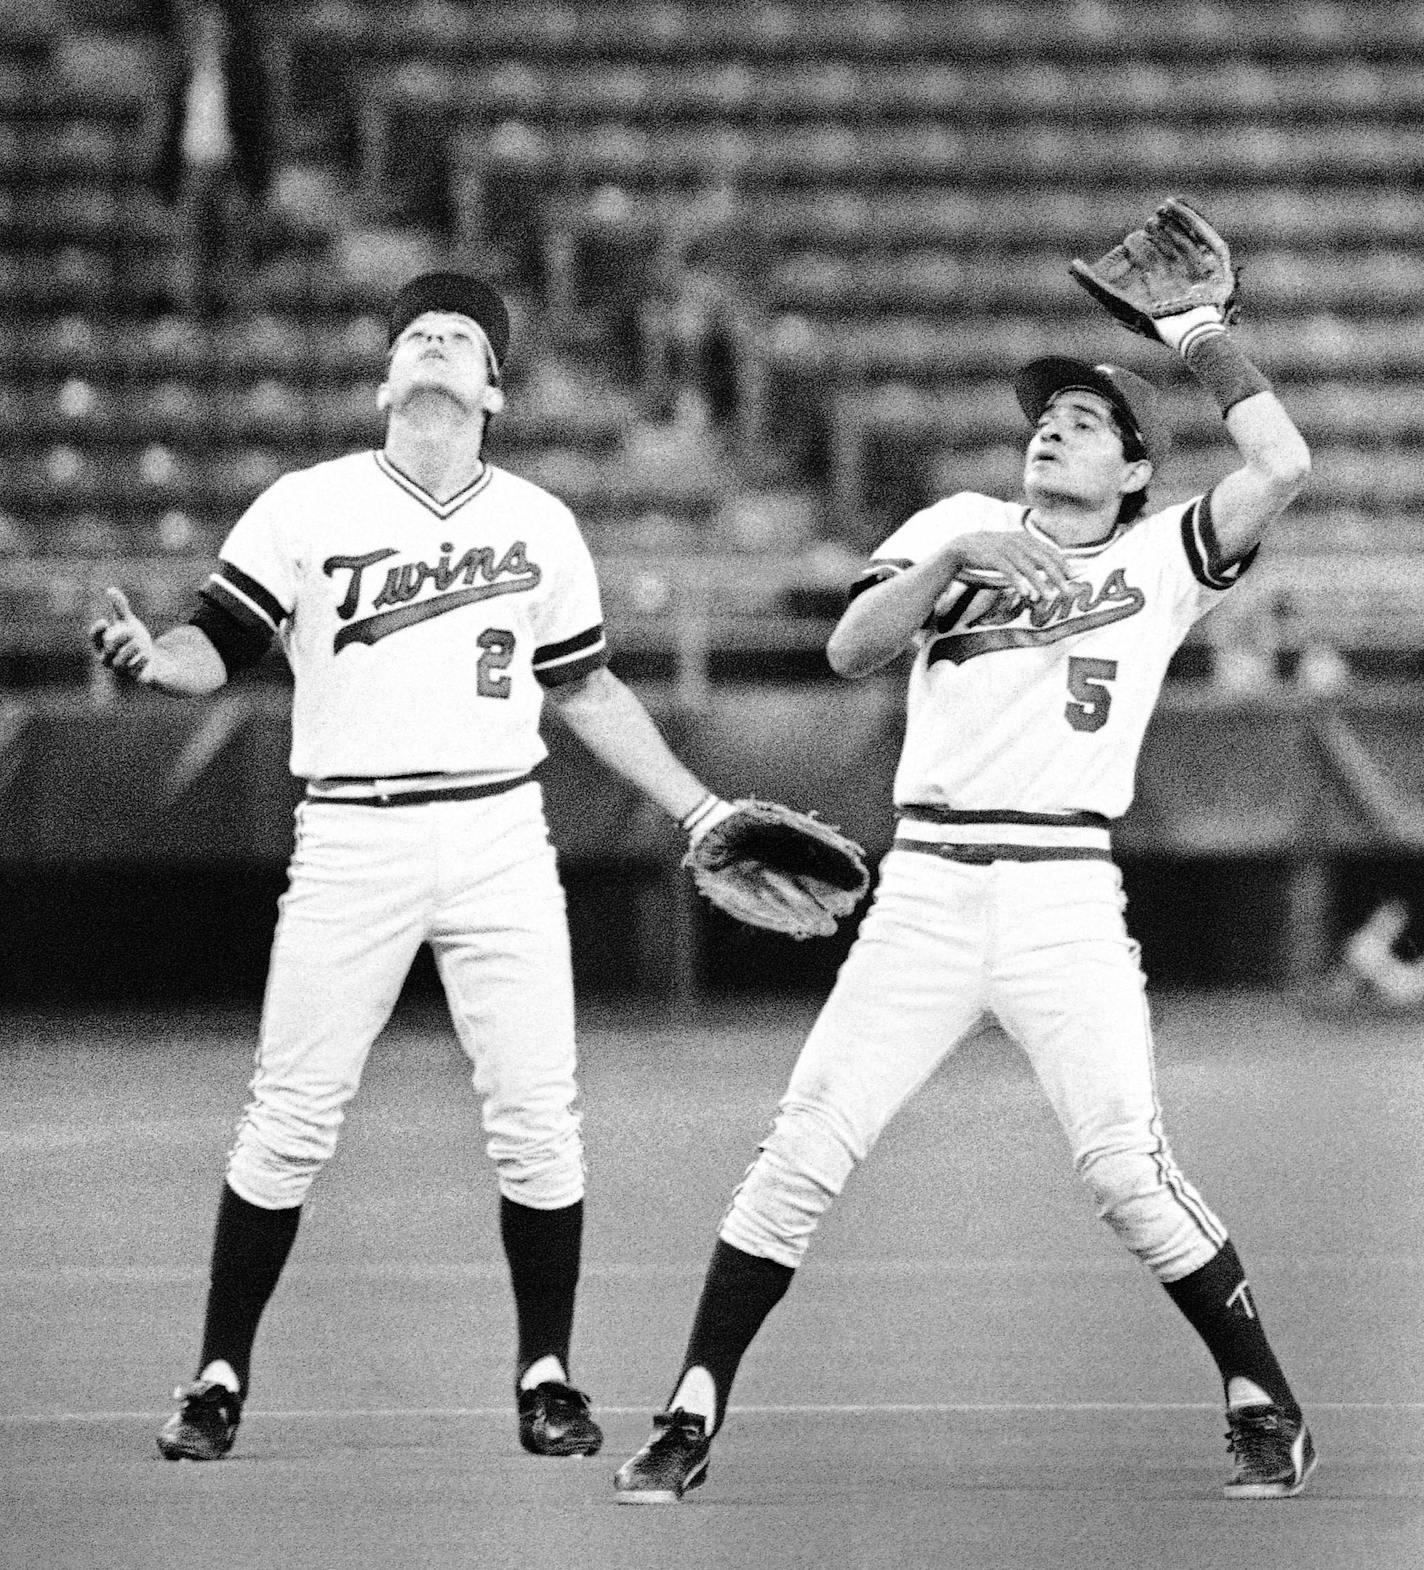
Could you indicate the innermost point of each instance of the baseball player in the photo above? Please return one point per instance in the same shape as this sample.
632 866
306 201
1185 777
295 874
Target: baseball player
1041 634
428 602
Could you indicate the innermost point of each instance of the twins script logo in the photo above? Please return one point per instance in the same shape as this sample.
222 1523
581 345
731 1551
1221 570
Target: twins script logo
481 577
1001 625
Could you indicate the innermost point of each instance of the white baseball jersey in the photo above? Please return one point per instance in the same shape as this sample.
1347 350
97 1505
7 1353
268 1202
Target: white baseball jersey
1041 709
420 633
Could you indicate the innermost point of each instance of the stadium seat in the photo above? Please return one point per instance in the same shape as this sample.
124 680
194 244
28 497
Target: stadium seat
818 88
70 342
16 168
59 480
263 344
533 30
163 473
1335 410
85 149
76 277
232 477
104 72
995 469
83 537
441 29
344 416
76 409
507 89
177 413
910 149
569 472
17 421
341 349
611 150
175 532
606 90
813 150
892 89
172 346
809 280
270 410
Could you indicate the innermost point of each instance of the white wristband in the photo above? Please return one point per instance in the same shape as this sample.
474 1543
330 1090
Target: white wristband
1187 328
710 810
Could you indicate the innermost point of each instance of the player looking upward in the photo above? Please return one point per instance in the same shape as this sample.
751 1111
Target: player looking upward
428 603
1041 634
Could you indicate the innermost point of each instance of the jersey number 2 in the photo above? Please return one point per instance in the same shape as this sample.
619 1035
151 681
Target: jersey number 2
499 651
1087 681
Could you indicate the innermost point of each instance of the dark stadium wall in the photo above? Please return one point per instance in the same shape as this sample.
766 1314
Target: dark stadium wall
145 842
136 932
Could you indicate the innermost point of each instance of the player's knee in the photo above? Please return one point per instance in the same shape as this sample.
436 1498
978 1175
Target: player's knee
1118 1179
1151 1208
545 1172
274 1174
796 1177
283 1141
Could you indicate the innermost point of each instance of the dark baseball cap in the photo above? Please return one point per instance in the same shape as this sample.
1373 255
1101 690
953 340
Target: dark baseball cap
1134 399
461 293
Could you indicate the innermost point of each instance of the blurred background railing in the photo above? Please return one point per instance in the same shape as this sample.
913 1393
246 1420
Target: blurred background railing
771 266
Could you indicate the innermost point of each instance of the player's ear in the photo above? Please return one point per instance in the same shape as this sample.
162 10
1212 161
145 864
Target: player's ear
383 397
493 400
1139 475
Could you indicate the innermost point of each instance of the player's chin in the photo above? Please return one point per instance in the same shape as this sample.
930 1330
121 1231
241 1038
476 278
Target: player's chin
428 394
1046 480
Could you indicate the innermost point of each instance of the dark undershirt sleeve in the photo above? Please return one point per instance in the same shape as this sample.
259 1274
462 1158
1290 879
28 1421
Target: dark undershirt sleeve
239 644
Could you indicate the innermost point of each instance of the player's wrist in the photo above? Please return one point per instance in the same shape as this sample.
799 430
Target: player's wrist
1186 329
1218 363
709 811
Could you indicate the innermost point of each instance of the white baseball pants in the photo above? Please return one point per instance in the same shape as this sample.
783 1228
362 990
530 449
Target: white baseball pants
478 880
1042 945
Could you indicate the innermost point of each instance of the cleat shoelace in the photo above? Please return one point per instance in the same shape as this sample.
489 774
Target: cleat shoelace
1257 1441
677 1431
564 1404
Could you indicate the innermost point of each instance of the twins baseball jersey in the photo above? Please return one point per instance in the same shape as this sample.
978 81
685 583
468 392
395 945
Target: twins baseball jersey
1041 708
420 632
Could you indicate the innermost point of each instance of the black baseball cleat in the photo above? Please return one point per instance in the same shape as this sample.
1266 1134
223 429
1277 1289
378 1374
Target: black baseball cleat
204 1426
554 1420
672 1461
1274 1453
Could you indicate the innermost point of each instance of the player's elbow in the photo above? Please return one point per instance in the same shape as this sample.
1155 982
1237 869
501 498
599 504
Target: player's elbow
848 654
1293 462
838 657
1285 468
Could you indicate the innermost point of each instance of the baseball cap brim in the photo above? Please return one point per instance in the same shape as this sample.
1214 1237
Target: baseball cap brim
459 293
1134 399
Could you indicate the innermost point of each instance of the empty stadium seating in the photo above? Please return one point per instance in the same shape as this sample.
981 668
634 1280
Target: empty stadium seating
911 179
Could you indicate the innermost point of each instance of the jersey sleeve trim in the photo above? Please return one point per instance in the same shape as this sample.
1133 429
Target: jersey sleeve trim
557 663
877 572
1204 554
239 643
244 597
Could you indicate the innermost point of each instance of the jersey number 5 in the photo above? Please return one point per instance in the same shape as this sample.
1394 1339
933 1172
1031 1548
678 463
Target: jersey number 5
499 651
1087 681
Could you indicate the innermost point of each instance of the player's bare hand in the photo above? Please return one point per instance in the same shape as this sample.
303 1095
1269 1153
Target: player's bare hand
1017 561
122 641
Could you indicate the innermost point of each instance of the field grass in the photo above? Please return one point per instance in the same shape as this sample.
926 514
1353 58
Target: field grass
967 1372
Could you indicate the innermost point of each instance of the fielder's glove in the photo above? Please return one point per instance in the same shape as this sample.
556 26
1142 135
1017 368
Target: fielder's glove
771 866
1176 262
